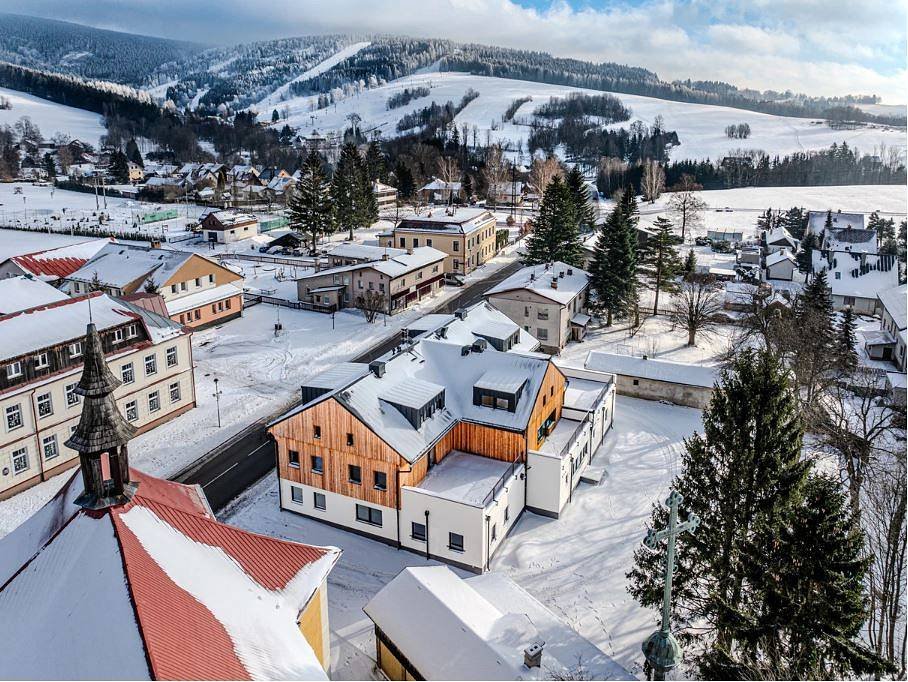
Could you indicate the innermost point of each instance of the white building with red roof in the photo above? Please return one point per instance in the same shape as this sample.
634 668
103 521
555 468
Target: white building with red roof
53 265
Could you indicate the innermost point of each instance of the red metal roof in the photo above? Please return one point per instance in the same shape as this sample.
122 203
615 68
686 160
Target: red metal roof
43 264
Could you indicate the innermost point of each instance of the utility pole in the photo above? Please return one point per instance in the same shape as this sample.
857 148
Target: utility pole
217 398
661 649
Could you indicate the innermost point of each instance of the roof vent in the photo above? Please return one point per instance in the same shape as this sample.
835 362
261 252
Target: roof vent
384 256
377 367
561 275
443 333
532 655
460 313
464 351
479 345
570 271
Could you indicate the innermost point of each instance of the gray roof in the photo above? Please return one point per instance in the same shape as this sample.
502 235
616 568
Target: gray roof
117 265
894 301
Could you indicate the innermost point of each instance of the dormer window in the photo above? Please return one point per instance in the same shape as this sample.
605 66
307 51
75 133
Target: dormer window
499 389
415 399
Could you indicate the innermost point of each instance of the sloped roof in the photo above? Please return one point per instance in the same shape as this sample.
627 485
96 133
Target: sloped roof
538 279
894 301
117 265
364 251
778 257
856 274
816 220
153 589
20 293
395 266
461 220
657 370
62 261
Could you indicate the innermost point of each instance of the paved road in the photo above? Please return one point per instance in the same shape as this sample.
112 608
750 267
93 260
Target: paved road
233 466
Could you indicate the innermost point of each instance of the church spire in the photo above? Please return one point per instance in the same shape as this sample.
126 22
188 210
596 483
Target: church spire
102 432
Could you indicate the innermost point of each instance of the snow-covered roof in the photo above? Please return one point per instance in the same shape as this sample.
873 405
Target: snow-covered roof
478 629
228 219
440 185
203 297
153 589
365 252
583 394
460 220
571 282
656 370
778 256
496 329
856 274
395 266
856 240
52 264
816 221
508 380
780 235
20 293
464 478
118 265
414 393
894 301
564 433
480 319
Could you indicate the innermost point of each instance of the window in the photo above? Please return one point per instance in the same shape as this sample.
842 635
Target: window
350 439
507 513
318 464
487 400
526 311
294 458
428 242
127 373
456 264
14 369
175 392
132 411
72 398
227 304
296 494
318 501
183 284
197 314
456 246
542 314
117 335
214 308
501 404
368 515
20 460
198 281
494 531
542 333
211 279
403 242
415 242
173 288
13 417
75 349
455 542
849 300
172 356
418 531
45 405
381 480
49 445
41 361
317 432
636 382
154 401
354 474
151 365
132 331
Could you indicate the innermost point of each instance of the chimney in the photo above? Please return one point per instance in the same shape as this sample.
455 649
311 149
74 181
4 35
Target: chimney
384 256
460 313
561 275
377 367
570 271
410 251
554 282
532 655
155 244
464 351
479 345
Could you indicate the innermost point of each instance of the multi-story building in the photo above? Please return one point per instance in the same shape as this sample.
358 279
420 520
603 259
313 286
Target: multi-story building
889 343
548 301
41 354
197 291
385 197
465 235
439 447
226 227
388 285
856 279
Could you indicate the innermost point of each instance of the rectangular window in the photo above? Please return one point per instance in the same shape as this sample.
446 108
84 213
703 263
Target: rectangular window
318 501
132 331
183 285
211 279
316 432
415 242
354 474
507 513
542 333
455 542
117 335
487 400
318 464
198 281
456 246
45 405
154 401
296 494
494 532
197 314
127 374
75 349
368 515
501 403
294 458
13 417
49 445
381 480
175 392
172 356
403 242
14 369
20 460
173 288
418 531
350 439
526 311
41 361
132 411
542 314
428 242
72 398
151 365
227 304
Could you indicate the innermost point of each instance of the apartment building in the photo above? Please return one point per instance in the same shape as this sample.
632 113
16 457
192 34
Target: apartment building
40 362
548 301
465 235
439 447
198 291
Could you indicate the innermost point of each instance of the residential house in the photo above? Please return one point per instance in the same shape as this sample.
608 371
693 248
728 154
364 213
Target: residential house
226 227
547 300
856 279
199 292
122 575
890 342
780 265
399 280
816 221
385 196
483 628
21 293
53 265
352 253
480 321
465 235
850 239
507 193
438 447
41 357
778 239
439 192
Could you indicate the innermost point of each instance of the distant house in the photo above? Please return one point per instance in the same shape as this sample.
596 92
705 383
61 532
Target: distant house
439 192
777 239
816 221
385 196
856 279
226 227
890 343
352 254
53 265
507 193
780 265
730 236
549 301
483 628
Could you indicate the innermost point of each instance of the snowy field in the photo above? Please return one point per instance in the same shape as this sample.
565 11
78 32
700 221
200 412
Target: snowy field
699 126
575 565
51 117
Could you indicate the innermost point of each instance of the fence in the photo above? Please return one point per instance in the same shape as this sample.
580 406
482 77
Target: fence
296 262
253 299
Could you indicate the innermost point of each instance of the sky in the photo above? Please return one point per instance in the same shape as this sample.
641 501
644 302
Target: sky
821 47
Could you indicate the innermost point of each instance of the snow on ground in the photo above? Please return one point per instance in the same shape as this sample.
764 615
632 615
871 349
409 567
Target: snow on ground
51 117
699 126
575 565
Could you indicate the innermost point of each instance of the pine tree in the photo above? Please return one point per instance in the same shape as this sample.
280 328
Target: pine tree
133 153
368 205
658 263
275 117
49 166
766 221
309 205
555 232
614 268
804 257
814 356
351 192
742 476
586 216
690 263
828 224
847 339
404 178
119 166
467 187
375 162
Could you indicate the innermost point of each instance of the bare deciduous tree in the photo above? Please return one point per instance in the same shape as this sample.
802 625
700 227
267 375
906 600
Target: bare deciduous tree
695 307
686 203
653 181
543 171
495 170
372 303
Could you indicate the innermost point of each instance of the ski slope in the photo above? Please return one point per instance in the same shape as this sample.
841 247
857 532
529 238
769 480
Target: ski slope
51 117
699 126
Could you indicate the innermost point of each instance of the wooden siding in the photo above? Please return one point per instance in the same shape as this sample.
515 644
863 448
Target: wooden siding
482 440
550 397
197 266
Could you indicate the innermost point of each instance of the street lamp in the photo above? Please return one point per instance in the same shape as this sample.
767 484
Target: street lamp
217 398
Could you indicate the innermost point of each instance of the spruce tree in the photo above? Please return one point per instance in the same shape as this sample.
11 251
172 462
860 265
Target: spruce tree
119 166
690 263
404 178
367 203
556 236
847 340
133 153
814 351
658 263
804 257
467 187
309 205
742 476
347 190
375 162
614 267
586 216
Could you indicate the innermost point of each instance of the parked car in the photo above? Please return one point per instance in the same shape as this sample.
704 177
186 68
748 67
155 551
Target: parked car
264 249
701 241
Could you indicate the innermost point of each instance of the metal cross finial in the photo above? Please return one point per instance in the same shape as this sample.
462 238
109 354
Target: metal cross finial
661 648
